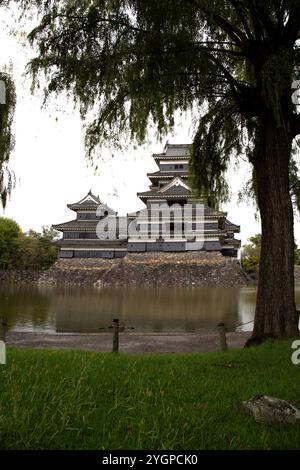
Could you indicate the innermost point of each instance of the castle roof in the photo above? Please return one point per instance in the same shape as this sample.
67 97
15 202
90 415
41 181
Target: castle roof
77 225
230 227
173 151
91 202
177 188
167 174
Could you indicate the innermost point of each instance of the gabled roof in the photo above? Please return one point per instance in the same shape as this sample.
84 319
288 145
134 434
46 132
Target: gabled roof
91 202
89 198
176 187
176 183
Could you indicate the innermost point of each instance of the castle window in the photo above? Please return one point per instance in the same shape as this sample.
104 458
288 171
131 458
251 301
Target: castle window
84 235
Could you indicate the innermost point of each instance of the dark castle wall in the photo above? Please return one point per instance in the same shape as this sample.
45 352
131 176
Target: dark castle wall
80 235
171 167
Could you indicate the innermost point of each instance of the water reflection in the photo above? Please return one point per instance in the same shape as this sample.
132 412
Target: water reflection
26 307
73 309
155 309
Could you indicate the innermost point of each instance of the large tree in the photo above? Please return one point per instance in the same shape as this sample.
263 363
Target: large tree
135 62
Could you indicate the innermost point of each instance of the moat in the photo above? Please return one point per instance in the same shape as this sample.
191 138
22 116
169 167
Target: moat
45 308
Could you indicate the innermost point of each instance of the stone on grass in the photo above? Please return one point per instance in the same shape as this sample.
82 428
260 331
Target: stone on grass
270 410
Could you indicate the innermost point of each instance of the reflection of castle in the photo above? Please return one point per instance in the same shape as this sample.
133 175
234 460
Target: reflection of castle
145 308
159 229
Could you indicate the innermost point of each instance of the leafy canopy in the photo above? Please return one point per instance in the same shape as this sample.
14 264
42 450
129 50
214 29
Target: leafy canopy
10 232
32 250
251 254
133 63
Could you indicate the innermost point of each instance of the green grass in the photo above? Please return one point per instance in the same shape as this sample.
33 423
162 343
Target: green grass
82 400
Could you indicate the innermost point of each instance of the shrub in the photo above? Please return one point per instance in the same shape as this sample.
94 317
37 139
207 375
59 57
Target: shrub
32 250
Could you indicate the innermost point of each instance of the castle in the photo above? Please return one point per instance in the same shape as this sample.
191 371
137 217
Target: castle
173 219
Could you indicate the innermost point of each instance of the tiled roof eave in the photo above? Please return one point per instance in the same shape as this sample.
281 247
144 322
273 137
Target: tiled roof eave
167 175
81 207
74 228
233 228
232 241
160 196
170 157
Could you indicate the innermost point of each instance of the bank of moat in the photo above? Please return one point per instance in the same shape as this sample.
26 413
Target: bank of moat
149 269
173 220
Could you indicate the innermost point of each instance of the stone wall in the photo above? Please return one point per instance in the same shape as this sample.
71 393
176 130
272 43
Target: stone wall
22 276
161 269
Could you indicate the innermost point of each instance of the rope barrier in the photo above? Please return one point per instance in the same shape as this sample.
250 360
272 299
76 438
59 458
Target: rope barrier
246 323
208 329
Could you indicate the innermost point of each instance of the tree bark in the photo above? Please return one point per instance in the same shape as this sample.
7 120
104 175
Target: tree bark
275 315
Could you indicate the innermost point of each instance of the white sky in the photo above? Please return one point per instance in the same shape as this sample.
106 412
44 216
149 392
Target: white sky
51 168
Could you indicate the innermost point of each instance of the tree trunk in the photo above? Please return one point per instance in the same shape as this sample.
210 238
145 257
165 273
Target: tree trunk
275 315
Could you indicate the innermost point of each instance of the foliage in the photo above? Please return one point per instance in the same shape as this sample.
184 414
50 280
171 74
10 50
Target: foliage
84 400
297 257
295 177
36 251
133 63
6 137
10 233
250 264
251 254
253 248
26 251
7 142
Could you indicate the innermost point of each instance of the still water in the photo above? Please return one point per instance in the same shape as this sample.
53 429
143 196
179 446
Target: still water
75 309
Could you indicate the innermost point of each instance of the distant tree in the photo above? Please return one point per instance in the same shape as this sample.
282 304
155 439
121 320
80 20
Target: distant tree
251 254
297 257
36 250
134 62
50 234
10 233
33 250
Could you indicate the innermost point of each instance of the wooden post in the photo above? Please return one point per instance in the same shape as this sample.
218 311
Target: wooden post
115 335
222 334
3 328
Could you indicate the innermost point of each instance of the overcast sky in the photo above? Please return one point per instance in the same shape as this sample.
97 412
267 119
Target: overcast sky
51 168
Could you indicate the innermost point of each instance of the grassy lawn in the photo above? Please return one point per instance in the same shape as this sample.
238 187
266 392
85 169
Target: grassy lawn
82 400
